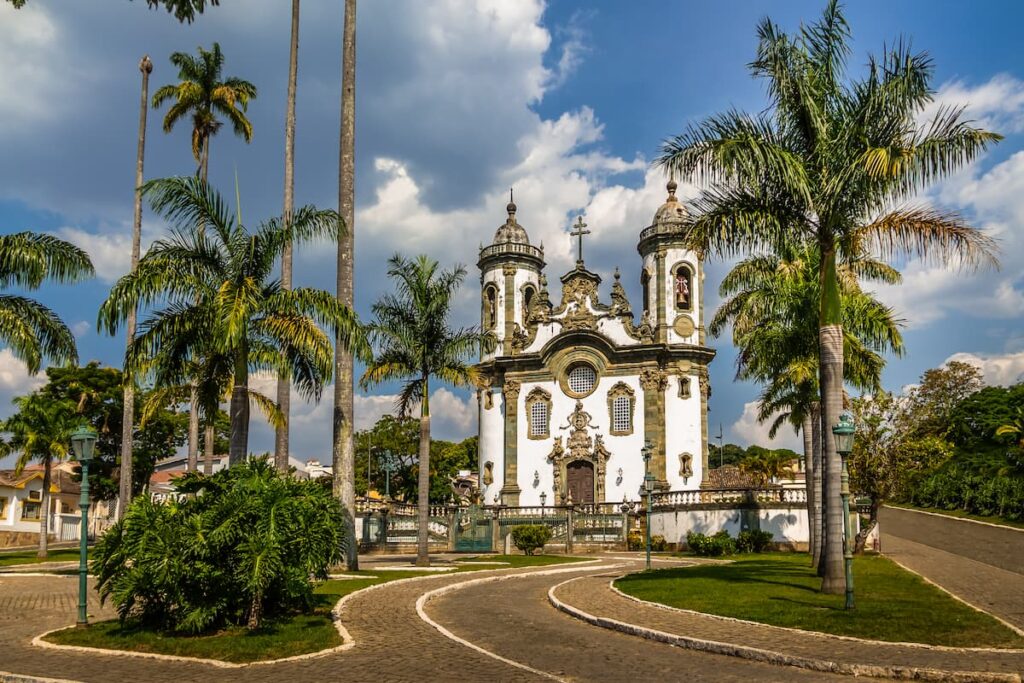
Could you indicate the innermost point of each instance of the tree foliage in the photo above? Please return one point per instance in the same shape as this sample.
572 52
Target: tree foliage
238 547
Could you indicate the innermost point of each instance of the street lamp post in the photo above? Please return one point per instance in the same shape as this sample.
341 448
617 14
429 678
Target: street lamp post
83 440
844 434
387 464
543 502
648 488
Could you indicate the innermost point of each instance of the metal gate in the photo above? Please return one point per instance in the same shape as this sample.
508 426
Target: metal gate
473 530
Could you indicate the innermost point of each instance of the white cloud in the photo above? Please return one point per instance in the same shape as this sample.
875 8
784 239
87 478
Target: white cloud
750 432
110 251
30 67
15 380
81 328
996 105
996 369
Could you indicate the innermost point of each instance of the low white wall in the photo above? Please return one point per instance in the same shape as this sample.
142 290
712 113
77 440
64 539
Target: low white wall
788 525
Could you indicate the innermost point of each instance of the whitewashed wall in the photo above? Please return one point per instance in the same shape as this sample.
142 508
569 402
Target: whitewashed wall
683 433
492 443
787 525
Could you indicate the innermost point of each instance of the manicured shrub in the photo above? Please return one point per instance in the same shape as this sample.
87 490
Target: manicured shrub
242 546
958 488
753 541
635 541
711 546
530 537
658 543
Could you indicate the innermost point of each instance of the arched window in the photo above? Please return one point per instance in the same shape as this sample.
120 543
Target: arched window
682 288
538 414
645 286
621 400
490 313
528 294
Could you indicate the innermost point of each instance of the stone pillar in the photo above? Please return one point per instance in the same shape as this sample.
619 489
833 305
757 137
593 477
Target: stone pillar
509 271
701 329
704 381
661 334
510 490
654 382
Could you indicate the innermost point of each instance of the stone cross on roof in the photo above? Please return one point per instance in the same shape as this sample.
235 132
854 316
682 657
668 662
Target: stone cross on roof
578 232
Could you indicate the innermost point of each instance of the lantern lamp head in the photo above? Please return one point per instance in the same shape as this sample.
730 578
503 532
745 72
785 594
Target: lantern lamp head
645 452
83 441
543 498
844 433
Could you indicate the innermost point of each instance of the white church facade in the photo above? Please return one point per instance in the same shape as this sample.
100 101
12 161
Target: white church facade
573 390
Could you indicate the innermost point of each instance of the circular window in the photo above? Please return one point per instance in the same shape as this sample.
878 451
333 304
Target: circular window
582 379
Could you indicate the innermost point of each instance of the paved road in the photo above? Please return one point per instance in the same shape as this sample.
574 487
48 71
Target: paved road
982 564
392 643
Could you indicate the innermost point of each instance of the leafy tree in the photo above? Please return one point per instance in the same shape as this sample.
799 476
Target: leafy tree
203 93
214 286
41 431
831 161
729 454
415 343
29 329
183 10
242 549
932 402
765 465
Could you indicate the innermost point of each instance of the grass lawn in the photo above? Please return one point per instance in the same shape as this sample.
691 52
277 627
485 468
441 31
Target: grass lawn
8 558
283 637
961 514
781 589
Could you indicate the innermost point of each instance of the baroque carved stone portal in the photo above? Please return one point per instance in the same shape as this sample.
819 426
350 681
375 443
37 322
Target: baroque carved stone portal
581 446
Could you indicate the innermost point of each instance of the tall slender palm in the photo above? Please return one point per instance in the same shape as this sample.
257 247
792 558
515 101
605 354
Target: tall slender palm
203 93
31 330
283 385
343 446
832 161
209 289
40 431
128 418
770 301
415 343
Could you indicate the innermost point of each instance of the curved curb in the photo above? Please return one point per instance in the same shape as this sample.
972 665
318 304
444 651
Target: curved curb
8 677
779 658
451 588
347 641
822 634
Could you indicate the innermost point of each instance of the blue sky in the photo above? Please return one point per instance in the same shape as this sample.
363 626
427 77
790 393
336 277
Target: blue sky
458 100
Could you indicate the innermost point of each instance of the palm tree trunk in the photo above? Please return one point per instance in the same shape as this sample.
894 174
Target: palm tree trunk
208 450
239 445
193 399
817 516
284 386
44 512
830 341
807 429
423 502
128 416
343 447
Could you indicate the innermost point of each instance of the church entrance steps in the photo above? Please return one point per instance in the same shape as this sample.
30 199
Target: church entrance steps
593 599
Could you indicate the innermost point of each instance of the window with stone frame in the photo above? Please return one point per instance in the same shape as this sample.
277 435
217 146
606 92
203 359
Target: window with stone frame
682 288
528 293
621 403
490 313
31 510
538 414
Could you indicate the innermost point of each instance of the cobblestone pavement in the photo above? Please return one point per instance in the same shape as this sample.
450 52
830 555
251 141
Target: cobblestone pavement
392 643
984 565
592 594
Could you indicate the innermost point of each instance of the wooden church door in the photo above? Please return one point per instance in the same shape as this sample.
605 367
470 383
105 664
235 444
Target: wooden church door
579 480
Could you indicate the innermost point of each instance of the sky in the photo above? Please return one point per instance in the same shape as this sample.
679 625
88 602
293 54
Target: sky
457 101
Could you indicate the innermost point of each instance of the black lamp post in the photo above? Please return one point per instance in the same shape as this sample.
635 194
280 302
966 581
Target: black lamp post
843 433
83 440
648 488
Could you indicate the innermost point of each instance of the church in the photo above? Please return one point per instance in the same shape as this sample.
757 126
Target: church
571 392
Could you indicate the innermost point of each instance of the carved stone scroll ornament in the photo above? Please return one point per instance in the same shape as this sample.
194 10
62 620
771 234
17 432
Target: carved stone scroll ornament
620 304
510 389
509 269
705 385
555 457
685 465
580 308
483 391
522 339
644 332
653 379
488 473
600 459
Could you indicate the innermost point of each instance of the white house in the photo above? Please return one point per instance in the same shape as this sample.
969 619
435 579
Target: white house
572 391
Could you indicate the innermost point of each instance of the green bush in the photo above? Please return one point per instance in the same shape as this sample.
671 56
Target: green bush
753 541
241 546
711 546
658 543
530 537
635 541
959 488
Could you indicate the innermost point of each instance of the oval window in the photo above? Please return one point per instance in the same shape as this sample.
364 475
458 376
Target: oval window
582 379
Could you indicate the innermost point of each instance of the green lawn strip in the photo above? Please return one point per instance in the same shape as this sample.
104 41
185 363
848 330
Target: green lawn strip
8 558
282 637
960 514
781 589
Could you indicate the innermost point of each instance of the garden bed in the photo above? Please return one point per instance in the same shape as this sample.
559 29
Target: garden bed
278 638
781 589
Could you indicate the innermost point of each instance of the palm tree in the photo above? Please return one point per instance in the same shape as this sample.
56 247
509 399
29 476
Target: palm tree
771 301
415 343
765 466
343 446
832 161
209 290
128 419
283 386
203 93
40 431
31 330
